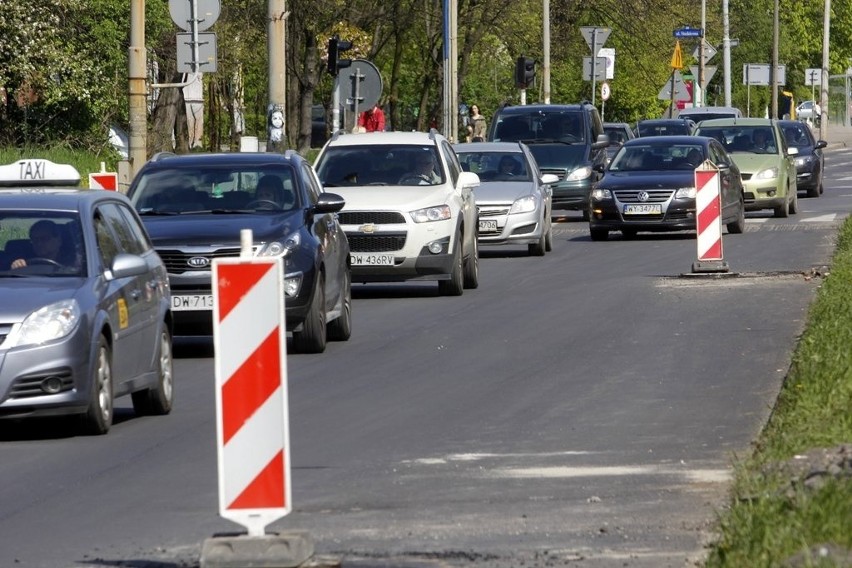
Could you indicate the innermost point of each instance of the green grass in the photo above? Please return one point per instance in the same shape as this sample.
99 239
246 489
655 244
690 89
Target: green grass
769 518
85 161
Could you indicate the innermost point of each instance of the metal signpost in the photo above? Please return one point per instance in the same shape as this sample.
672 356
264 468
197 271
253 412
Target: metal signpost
595 38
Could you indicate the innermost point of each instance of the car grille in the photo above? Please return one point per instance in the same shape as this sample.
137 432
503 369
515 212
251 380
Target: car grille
493 211
177 261
558 172
386 242
654 195
366 217
29 387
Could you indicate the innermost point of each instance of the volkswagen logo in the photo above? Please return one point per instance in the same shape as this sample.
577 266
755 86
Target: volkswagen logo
643 196
198 262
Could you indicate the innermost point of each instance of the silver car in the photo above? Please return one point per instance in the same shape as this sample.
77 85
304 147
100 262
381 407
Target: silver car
514 198
84 304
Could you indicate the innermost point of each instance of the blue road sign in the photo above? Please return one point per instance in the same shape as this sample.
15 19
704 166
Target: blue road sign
689 32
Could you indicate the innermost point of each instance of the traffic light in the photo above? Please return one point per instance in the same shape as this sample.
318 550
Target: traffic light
336 46
524 72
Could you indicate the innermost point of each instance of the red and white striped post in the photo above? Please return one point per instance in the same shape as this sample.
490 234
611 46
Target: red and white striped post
252 423
708 220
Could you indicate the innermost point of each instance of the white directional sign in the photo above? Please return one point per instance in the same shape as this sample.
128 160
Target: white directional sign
709 71
758 74
595 35
609 53
813 76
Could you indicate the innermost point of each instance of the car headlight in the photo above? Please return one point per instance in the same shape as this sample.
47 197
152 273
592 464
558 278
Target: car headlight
282 248
685 193
803 161
49 323
601 194
429 214
580 173
768 173
524 205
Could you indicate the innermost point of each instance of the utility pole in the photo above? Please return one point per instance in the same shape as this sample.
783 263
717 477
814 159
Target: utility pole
726 49
545 66
137 89
700 90
823 91
773 70
277 110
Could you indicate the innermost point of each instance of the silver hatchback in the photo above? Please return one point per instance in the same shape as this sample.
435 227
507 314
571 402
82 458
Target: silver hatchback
84 306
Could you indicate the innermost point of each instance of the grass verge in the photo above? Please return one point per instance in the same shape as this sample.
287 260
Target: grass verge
781 509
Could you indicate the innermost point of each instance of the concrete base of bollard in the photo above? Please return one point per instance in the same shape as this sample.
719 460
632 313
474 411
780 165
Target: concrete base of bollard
710 266
274 550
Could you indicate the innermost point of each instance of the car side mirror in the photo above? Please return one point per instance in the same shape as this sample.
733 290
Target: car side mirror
549 178
792 151
125 264
599 168
468 179
602 141
329 203
820 144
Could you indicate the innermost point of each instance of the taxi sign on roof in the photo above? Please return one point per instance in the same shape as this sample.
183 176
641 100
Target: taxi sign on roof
38 172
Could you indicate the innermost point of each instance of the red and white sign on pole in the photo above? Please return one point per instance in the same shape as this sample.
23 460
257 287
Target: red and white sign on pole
252 422
104 180
708 219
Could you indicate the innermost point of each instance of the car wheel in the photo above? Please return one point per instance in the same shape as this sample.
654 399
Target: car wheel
471 267
98 418
340 329
794 203
538 248
737 226
312 337
455 285
548 237
815 190
585 214
158 400
821 186
599 234
782 211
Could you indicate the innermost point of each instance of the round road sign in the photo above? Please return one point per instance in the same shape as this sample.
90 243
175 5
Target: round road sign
605 92
207 12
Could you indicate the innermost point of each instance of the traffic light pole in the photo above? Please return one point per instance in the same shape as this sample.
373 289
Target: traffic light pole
594 62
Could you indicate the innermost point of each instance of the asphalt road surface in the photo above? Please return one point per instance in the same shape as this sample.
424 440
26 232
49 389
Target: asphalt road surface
581 409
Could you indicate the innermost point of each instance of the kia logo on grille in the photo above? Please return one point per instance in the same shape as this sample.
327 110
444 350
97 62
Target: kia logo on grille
643 196
198 262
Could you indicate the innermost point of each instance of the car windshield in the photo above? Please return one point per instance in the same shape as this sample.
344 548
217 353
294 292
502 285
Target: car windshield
495 166
375 164
743 139
249 189
797 135
41 243
561 126
657 157
617 135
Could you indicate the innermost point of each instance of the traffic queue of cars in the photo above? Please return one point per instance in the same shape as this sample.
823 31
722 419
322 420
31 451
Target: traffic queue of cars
96 284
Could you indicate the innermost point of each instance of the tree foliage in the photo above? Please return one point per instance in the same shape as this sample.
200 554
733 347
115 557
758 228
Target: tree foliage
63 63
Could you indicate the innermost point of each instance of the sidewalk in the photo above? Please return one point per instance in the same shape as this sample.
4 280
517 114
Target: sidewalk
838 136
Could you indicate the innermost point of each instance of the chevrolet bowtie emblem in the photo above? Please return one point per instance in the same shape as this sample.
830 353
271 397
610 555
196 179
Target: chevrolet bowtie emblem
368 228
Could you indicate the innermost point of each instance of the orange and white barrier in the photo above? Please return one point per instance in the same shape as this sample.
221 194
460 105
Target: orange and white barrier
708 220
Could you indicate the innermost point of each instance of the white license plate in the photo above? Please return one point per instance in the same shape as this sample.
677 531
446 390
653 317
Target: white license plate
643 209
488 225
192 302
370 259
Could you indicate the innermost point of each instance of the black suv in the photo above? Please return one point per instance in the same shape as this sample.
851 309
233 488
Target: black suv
194 207
566 140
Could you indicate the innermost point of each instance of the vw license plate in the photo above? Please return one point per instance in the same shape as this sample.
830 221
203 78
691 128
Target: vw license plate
364 259
192 302
488 225
643 209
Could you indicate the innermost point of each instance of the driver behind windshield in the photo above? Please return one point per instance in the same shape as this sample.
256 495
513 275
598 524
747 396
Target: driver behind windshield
46 239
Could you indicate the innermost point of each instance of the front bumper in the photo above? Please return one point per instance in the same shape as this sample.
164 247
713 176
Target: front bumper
572 195
761 194
26 372
519 228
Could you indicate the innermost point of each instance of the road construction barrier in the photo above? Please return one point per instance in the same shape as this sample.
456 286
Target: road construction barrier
708 220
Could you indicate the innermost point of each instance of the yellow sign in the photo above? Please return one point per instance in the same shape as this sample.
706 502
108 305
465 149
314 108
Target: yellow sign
677 57
122 313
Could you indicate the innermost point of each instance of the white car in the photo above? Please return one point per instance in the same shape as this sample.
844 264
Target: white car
410 212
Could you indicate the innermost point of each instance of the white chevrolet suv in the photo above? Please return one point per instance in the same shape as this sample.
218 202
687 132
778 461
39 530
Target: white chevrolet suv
410 212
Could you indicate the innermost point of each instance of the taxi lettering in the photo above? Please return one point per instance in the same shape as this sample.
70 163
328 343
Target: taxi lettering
32 170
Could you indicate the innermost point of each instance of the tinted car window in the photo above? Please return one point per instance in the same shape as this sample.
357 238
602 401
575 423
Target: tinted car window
127 241
374 164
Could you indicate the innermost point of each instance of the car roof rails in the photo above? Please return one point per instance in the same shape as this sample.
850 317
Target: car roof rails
162 156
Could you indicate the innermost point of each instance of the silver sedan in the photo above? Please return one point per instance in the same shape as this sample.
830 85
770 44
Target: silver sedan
514 198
